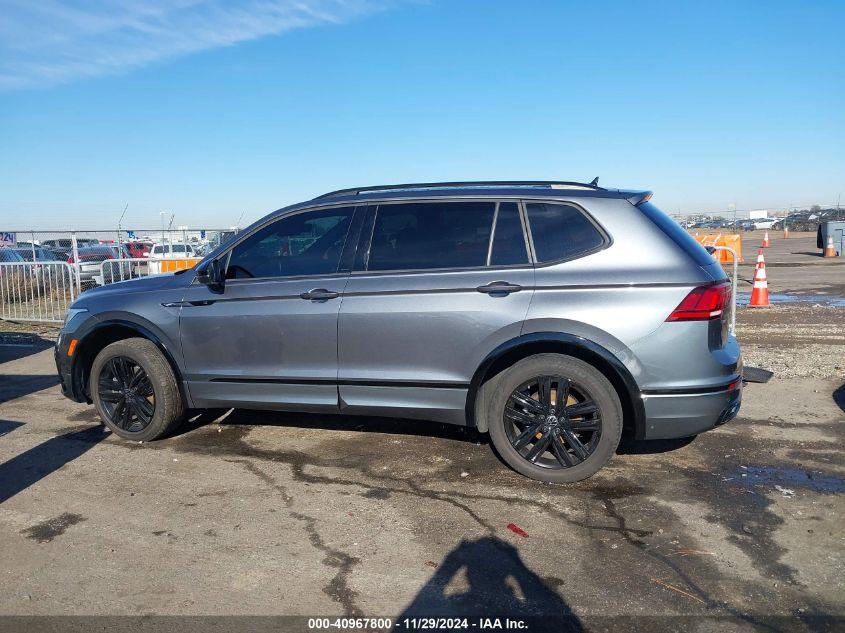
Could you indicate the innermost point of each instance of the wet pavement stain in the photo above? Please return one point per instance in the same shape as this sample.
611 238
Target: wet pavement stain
51 528
836 301
770 476
377 494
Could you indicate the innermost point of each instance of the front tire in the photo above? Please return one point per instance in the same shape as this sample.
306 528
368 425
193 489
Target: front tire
555 418
135 391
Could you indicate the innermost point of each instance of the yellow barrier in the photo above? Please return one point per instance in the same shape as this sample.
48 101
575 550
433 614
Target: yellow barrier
169 265
731 241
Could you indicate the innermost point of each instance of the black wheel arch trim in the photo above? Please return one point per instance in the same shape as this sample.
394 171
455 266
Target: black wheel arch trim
143 331
624 380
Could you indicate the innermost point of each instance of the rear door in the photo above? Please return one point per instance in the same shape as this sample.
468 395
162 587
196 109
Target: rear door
438 285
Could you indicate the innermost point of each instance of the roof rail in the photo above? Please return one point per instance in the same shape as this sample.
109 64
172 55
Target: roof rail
461 185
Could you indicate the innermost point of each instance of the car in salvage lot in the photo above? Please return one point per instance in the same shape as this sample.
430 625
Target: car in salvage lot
554 315
164 251
89 264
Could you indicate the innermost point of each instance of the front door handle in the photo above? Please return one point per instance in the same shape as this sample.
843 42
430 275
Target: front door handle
499 288
319 294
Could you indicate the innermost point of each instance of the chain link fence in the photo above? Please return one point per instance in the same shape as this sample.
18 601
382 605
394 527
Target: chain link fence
42 272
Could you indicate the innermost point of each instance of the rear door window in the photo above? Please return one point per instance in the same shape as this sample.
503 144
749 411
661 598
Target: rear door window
560 231
429 235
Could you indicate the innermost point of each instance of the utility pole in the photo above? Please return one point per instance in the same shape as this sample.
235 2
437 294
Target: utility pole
169 234
118 229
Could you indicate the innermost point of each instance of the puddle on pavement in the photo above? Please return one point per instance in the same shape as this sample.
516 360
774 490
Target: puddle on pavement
786 477
776 297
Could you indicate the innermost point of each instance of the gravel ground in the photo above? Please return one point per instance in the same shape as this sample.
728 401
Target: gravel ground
794 340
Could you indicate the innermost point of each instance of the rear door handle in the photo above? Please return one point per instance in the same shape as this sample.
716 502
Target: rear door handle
319 294
499 288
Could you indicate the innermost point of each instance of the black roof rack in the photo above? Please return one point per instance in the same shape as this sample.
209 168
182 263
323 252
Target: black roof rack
465 185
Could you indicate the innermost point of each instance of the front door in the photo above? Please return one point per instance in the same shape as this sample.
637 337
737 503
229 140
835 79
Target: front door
269 339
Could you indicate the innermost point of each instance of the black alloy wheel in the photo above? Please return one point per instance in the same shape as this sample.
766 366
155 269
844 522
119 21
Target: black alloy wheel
552 422
126 394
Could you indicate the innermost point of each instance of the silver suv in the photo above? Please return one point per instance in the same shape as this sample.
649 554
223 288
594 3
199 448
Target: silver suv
556 316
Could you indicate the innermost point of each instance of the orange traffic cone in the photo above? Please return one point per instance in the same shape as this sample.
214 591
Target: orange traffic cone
760 292
766 243
830 250
785 232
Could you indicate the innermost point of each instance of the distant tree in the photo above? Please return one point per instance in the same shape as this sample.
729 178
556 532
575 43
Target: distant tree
815 208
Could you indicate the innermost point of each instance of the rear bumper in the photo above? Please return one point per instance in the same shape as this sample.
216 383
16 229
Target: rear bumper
678 414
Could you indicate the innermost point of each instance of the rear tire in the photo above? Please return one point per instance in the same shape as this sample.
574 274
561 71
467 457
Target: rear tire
135 390
549 439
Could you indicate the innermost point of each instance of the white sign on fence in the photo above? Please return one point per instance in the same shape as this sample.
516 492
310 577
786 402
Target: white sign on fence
8 239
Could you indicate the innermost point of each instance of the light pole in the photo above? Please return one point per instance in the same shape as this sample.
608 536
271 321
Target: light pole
119 228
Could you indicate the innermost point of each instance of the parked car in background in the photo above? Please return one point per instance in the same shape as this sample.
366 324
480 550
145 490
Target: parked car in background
89 262
744 225
171 251
41 254
121 251
167 251
64 246
10 255
138 249
764 223
515 308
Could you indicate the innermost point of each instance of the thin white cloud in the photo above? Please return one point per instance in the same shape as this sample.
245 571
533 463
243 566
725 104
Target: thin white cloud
56 41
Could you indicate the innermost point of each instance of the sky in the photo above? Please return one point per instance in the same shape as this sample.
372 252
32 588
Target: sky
221 111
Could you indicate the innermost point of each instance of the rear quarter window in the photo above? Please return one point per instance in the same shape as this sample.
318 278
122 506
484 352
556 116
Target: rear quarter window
677 234
560 231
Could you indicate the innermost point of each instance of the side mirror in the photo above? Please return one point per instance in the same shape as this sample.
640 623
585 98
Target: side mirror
211 274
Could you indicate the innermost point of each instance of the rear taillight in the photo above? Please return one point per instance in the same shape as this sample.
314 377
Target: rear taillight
702 304
70 259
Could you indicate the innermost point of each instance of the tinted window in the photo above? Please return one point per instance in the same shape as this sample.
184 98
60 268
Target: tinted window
508 239
303 244
560 231
677 234
431 235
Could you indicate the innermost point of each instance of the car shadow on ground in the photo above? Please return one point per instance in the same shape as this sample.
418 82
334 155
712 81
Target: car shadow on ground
629 446
839 397
15 345
30 467
390 426
14 386
330 422
486 578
